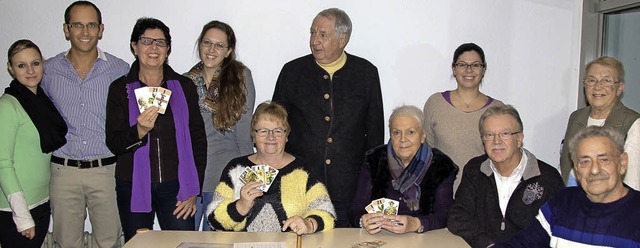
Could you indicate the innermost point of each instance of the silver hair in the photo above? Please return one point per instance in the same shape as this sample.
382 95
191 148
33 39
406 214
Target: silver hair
343 22
501 110
410 111
596 131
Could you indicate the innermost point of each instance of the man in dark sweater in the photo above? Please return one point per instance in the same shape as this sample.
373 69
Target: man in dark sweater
501 191
603 211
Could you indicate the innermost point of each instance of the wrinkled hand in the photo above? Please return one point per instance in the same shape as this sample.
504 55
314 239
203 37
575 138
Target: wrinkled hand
400 223
146 121
185 209
29 233
298 225
372 223
248 193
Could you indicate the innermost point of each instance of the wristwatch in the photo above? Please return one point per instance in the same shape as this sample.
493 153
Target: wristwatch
420 229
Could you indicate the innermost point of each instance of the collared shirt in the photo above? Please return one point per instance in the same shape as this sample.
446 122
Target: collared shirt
82 102
507 185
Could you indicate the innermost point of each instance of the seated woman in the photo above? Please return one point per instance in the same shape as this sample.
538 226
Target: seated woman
295 200
31 129
406 170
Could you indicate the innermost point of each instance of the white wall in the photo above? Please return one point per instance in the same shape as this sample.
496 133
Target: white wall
532 46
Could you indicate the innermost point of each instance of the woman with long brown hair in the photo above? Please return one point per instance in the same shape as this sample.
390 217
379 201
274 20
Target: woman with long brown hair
227 97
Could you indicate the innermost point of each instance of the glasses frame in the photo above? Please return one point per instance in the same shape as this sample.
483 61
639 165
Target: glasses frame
81 26
476 66
216 45
605 82
159 42
277 132
502 135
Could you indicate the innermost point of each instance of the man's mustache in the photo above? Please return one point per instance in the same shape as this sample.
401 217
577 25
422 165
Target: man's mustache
600 176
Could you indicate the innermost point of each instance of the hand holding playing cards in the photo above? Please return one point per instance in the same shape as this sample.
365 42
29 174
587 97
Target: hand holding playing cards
146 121
248 193
372 223
401 223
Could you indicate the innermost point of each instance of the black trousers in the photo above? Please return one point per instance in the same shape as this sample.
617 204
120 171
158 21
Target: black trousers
9 235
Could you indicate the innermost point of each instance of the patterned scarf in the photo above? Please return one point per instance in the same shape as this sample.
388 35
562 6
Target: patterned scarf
407 180
187 174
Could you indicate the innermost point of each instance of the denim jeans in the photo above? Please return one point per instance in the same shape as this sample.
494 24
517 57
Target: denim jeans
163 203
201 215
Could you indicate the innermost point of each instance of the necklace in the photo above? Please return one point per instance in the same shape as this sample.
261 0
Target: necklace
276 165
466 103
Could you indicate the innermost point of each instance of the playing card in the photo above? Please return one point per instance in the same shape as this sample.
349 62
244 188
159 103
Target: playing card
248 176
144 98
390 207
370 209
152 96
161 96
270 174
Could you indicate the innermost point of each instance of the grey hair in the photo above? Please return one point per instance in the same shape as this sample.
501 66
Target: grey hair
409 111
343 22
596 131
501 110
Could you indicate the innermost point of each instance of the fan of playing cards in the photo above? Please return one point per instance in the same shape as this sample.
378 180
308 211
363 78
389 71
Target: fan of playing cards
383 205
152 96
259 173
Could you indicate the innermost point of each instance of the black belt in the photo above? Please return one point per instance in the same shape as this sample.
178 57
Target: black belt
84 164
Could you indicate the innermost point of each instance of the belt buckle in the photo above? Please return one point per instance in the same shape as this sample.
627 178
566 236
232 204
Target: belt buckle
86 164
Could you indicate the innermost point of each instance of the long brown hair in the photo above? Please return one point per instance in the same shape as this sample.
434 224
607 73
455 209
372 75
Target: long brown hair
232 92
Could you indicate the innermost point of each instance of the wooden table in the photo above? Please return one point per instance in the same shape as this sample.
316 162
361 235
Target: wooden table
340 237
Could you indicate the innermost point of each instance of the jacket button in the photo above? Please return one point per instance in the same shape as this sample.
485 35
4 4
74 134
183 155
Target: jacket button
326 76
328 161
326 96
327 118
329 140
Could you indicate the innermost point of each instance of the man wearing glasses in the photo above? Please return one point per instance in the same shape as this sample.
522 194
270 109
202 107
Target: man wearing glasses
82 171
501 191
334 103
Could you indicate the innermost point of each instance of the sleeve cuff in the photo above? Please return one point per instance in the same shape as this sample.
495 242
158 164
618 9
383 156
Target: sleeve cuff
21 215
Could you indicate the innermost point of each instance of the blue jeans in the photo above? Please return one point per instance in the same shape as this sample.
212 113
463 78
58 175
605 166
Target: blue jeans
163 203
201 215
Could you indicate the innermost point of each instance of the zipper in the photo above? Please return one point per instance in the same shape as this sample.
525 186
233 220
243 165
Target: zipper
159 161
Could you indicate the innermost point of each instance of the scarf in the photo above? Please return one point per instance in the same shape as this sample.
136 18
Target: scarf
407 180
44 115
187 174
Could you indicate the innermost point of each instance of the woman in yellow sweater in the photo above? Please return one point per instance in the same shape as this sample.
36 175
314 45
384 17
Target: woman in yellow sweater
295 200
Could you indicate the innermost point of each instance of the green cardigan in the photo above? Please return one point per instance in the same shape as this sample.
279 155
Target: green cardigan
23 166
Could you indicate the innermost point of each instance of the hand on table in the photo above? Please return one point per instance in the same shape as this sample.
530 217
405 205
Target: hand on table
400 223
299 225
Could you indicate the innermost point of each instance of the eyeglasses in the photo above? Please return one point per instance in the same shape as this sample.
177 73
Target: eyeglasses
474 66
148 41
605 81
502 135
277 132
80 26
216 45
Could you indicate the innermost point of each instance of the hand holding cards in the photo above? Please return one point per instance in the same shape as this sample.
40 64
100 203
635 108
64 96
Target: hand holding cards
259 173
152 96
385 206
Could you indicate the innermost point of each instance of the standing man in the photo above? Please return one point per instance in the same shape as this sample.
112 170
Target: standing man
82 171
501 191
602 211
335 108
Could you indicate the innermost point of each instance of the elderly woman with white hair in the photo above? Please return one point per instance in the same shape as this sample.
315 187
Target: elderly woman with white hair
406 170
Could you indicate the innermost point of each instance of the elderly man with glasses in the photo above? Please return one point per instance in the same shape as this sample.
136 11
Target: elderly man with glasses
501 191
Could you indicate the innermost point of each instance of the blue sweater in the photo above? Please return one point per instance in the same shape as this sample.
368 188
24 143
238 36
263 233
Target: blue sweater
570 218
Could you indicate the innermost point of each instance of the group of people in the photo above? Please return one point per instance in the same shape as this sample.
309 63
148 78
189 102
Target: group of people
323 131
